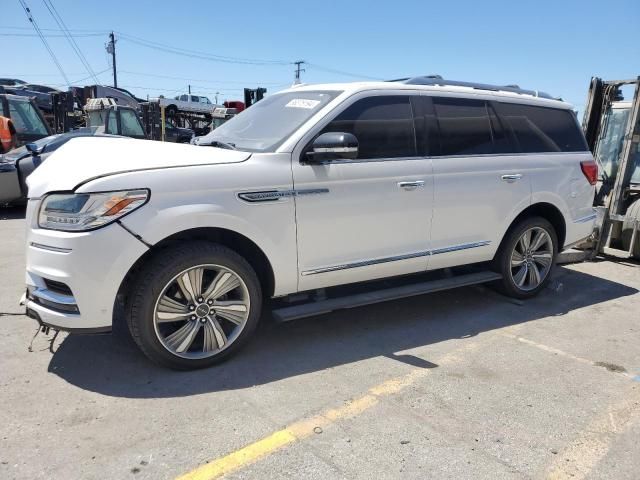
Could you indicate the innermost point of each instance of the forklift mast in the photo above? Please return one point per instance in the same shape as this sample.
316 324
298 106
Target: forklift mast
616 195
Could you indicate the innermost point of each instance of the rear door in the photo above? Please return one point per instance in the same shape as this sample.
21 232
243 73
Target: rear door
479 182
366 218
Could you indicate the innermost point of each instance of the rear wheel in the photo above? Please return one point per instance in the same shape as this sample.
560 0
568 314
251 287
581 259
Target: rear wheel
194 305
527 258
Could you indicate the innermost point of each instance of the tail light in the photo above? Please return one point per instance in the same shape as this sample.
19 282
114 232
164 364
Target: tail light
590 170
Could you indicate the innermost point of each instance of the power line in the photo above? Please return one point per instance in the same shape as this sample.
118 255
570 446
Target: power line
74 46
199 55
94 76
30 17
75 30
213 82
341 72
48 35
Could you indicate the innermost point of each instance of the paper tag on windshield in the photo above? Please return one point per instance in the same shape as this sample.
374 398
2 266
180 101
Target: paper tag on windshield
302 103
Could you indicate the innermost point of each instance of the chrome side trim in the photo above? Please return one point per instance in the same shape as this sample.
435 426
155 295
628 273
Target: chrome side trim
275 195
335 150
366 263
586 219
464 246
50 248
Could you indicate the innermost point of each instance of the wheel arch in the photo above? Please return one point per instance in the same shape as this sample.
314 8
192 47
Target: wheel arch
547 211
235 241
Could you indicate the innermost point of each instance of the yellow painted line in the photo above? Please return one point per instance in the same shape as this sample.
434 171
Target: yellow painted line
579 458
304 428
237 459
558 352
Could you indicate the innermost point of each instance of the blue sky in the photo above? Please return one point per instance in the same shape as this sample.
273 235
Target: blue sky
554 46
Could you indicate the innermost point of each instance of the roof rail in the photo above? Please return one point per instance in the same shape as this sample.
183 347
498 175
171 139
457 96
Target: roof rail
438 80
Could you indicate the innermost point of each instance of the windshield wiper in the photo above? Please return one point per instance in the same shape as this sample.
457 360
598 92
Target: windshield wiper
219 144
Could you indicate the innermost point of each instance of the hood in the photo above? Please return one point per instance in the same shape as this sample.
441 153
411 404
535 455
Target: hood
84 158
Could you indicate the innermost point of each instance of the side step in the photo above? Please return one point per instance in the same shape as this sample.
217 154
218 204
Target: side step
311 309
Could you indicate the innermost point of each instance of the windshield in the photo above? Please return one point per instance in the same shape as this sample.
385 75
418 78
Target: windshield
610 144
26 119
268 123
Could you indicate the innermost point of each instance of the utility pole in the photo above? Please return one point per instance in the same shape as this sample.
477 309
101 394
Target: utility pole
217 93
298 71
189 86
111 48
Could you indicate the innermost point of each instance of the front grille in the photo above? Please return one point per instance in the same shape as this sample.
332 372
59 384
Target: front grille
58 287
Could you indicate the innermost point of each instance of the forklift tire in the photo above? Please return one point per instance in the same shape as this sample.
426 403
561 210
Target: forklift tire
633 214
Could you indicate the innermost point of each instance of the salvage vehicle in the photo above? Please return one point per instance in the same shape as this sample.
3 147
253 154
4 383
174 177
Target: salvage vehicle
41 94
318 197
187 103
177 134
104 118
11 82
17 165
26 117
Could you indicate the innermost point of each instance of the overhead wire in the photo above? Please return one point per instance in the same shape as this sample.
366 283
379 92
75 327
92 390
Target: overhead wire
48 35
74 46
31 19
197 54
340 72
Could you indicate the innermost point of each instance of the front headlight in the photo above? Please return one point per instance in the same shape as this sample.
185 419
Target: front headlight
78 212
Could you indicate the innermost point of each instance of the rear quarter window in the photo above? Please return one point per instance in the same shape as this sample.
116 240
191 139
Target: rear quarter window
542 129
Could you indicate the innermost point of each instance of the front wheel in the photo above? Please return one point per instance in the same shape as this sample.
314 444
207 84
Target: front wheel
194 305
527 258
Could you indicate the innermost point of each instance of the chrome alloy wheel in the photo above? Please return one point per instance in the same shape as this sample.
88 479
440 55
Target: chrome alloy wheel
201 311
531 258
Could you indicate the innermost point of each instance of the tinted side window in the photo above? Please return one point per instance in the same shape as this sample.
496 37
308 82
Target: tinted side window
382 125
465 128
542 129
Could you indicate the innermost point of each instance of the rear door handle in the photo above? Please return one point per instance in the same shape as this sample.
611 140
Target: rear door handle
511 177
411 185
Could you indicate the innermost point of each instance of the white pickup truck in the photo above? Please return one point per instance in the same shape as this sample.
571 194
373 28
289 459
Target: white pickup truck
187 103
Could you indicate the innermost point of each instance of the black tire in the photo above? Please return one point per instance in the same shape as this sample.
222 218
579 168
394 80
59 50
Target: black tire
633 213
503 260
171 111
154 278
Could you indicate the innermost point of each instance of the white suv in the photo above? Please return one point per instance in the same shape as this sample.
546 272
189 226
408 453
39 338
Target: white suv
313 187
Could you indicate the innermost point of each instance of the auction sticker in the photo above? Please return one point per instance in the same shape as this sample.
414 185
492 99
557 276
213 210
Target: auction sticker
302 103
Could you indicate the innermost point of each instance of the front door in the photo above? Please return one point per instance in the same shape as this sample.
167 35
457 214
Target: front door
366 218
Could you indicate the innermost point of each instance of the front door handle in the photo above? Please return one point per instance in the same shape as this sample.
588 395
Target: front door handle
411 185
511 177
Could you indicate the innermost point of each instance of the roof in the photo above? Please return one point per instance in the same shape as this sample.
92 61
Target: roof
437 84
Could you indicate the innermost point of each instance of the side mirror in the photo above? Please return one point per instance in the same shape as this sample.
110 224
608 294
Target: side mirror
34 149
8 135
333 146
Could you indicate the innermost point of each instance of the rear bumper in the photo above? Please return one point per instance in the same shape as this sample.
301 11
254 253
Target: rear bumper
580 229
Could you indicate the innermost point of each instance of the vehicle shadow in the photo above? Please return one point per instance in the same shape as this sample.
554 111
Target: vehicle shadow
12 213
112 365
